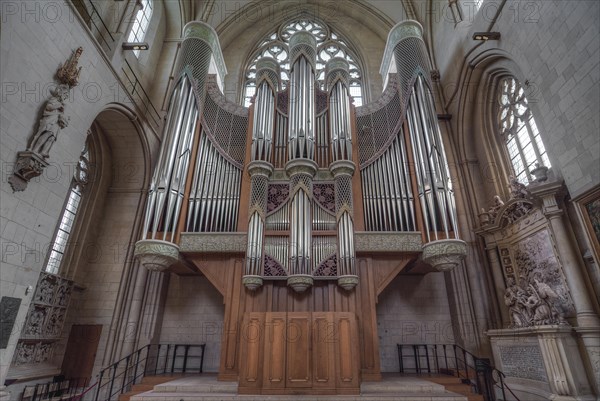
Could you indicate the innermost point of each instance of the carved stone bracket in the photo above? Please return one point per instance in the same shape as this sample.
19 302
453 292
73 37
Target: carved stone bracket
300 282
348 282
29 165
156 255
444 255
252 282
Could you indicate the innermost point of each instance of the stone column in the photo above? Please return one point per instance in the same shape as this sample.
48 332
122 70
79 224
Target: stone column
548 194
498 283
588 324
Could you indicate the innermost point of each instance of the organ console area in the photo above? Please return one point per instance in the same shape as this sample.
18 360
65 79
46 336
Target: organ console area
302 208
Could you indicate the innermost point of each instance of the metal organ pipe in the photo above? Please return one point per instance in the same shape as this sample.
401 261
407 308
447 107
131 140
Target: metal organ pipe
431 166
168 183
342 168
301 166
260 168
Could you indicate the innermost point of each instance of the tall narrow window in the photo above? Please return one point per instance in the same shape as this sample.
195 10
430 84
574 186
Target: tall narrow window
329 45
67 220
519 131
140 24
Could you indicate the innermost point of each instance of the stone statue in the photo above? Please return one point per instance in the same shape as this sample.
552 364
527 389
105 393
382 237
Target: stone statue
498 203
52 121
516 299
517 189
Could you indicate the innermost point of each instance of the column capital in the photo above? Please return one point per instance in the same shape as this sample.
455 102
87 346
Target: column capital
260 167
342 167
301 166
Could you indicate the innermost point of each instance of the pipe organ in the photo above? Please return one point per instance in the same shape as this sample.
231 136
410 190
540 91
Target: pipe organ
303 207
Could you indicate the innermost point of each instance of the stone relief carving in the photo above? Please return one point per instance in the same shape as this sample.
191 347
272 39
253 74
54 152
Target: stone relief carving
45 319
25 353
43 353
45 289
32 162
532 306
541 297
35 322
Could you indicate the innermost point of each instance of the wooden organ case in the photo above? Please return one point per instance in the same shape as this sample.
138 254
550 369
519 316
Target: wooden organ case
301 209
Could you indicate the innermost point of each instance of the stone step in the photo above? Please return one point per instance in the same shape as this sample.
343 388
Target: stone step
444 396
205 384
407 385
207 388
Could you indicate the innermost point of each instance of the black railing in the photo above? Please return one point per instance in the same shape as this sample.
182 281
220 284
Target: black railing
452 359
139 95
94 21
153 359
58 390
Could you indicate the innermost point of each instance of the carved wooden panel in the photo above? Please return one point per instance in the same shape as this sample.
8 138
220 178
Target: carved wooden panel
346 350
324 338
275 348
252 338
298 356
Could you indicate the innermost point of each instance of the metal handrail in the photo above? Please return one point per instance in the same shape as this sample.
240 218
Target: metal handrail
478 372
120 376
89 17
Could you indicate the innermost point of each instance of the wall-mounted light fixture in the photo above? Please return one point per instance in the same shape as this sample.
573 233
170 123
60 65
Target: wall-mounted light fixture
486 36
135 46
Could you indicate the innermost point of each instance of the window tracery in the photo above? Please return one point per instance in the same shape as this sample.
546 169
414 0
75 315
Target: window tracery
329 45
519 130
67 220
140 23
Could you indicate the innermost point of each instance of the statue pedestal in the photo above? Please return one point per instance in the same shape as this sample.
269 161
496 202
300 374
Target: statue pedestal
541 362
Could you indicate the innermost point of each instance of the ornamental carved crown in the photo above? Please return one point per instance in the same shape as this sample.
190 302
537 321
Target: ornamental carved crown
68 73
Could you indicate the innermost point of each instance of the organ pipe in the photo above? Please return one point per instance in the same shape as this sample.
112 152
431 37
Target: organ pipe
301 166
167 188
342 168
260 168
301 135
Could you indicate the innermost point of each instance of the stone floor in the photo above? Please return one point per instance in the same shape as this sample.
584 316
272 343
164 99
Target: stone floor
207 388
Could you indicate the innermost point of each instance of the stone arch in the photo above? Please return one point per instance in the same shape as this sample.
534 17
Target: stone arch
239 35
107 274
475 125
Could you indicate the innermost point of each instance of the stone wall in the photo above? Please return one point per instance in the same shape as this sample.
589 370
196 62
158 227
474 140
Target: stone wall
194 315
555 48
412 310
37 37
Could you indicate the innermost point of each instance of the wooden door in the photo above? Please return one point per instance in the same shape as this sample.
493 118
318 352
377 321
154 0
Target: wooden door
81 351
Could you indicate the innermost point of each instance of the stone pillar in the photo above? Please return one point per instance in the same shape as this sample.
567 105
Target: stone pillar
499 286
572 267
588 323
